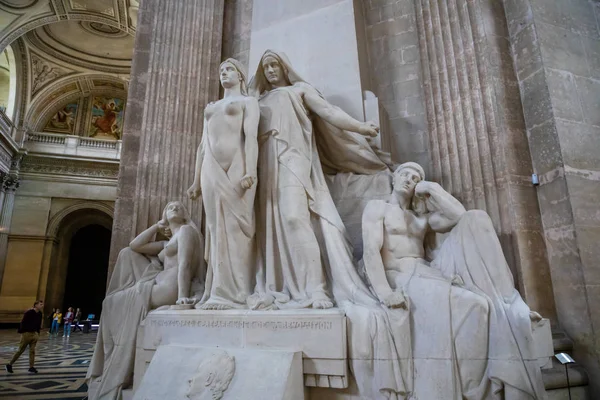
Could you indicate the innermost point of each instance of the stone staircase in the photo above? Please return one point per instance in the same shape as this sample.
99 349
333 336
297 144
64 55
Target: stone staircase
555 378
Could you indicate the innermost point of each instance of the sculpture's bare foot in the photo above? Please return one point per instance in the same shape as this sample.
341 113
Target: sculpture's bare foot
215 306
185 300
534 316
396 300
322 304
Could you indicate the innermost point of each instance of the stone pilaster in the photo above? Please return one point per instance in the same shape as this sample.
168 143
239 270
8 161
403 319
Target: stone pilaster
174 75
477 136
8 185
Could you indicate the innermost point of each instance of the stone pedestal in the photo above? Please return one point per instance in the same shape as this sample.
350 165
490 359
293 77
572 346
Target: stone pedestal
320 335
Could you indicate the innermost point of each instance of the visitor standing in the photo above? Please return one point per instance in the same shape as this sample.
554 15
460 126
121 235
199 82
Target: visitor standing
50 316
68 320
30 332
76 321
56 318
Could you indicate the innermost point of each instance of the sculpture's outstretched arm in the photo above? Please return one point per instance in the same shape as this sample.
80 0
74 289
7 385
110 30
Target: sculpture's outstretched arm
195 191
335 115
372 232
251 117
187 243
445 209
145 242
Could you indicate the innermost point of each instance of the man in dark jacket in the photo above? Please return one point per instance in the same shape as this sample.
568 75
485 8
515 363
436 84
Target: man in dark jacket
30 332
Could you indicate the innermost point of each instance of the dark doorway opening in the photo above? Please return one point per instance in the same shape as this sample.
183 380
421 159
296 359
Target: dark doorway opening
87 270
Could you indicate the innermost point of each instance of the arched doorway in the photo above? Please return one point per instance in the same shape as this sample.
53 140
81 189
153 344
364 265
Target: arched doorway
78 263
87 270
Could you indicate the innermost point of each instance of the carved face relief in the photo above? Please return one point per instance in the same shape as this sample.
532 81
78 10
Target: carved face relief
229 75
406 180
212 378
273 71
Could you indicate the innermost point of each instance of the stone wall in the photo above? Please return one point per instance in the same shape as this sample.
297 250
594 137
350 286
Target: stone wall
556 48
38 243
393 47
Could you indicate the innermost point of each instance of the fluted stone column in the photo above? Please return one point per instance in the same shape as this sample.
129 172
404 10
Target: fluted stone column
8 185
477 136
174 75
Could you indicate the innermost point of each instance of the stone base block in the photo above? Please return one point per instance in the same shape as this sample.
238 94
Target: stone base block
319 335
198 373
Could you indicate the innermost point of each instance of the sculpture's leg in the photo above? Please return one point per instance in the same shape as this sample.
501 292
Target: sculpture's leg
300 256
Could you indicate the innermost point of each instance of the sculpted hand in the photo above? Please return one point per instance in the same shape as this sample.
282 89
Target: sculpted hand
194 191
396 300
248 180
424 188
369 128
163 227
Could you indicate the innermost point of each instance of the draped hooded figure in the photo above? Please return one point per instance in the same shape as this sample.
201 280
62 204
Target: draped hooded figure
302 239
226 177
149 274
300 135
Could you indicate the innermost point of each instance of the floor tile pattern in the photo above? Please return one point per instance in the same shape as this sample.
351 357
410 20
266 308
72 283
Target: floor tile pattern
62 364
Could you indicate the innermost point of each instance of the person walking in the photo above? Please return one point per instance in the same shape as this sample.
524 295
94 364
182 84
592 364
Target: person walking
76 321
56 318
30 332
68 320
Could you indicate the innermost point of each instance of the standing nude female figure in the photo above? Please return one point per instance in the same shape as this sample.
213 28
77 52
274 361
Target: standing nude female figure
226 178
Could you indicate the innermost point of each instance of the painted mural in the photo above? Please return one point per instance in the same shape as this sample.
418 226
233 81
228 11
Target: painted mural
107 118
64 120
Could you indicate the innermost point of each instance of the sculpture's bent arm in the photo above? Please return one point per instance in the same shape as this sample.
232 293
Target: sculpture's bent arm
251 117
187 243
330 113
144 243
372 232
445 209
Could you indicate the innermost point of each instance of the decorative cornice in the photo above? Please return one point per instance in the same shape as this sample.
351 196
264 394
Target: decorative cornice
69 167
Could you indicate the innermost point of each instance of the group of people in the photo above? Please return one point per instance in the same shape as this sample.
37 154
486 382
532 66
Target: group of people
71 319
30 327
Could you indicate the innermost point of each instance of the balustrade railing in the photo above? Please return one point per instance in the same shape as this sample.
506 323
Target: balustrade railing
71 144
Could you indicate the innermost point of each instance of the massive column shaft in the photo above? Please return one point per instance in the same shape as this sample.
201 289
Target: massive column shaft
478 139
174 75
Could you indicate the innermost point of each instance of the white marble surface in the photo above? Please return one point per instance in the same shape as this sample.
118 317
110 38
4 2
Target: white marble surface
319 334
214 373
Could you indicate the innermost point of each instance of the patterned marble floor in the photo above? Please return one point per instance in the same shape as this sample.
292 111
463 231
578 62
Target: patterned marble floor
62 365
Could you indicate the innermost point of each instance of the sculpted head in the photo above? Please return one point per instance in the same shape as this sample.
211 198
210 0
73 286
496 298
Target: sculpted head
175 212
231 74
406 177
274 70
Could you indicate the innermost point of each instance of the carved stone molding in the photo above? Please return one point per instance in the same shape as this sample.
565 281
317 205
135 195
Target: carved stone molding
44 72
66 167
9 182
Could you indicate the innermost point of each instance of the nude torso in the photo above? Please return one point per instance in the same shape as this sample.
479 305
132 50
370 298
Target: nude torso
404 233
225 119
